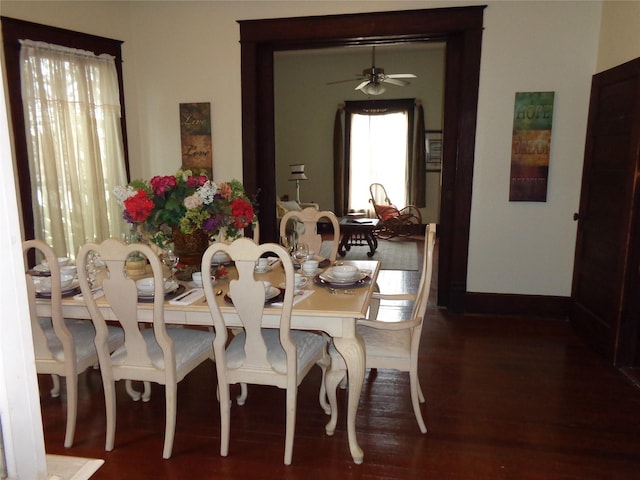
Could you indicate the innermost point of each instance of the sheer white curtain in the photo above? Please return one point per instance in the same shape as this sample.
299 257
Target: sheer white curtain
74 136
378 153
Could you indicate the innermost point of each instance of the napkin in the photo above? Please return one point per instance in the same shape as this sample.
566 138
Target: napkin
297 298
97 293
189 297
273 261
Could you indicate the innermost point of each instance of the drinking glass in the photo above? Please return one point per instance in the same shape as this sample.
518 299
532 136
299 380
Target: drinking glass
301 253
92 268
288 242
170 260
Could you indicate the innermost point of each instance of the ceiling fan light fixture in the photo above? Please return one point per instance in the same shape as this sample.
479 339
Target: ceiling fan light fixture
373 89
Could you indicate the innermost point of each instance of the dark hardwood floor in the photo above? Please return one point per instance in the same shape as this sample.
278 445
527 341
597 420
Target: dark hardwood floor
507 398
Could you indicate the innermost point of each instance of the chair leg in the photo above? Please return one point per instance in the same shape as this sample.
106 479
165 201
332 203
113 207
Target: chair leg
420 394
292 398
55 390
171 394
72 409
324 363
415 389
134 394
242 398
146 395
225 420
110 404
333 379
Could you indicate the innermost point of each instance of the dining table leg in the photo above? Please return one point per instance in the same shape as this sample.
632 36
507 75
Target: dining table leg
352 350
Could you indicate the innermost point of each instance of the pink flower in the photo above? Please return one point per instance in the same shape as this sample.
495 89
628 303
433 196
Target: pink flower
193 201
225 191
161 184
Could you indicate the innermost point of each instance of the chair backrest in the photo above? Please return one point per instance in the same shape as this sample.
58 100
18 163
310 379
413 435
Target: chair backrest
46 347
424 287
379 194
309 218
420 299
256 232
121 294
382 205
248 296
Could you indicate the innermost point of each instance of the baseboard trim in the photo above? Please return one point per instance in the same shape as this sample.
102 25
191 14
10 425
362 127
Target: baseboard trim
514 304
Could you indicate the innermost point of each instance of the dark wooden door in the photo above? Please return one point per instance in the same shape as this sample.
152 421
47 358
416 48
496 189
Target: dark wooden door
606 284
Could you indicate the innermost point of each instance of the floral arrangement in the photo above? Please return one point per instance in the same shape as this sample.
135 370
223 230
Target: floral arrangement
187 200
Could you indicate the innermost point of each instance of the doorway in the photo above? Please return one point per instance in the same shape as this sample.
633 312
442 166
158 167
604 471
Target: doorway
460 28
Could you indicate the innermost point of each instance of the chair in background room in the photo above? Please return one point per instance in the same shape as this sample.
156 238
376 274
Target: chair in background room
62 347
279 357
160 354
394 221
390 344
309 218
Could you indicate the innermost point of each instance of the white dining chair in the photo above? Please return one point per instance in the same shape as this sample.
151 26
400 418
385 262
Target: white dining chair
309 217
390 344
63 347
159 354
279 357
256 233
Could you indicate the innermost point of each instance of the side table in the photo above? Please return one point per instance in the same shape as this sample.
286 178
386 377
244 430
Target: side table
358 232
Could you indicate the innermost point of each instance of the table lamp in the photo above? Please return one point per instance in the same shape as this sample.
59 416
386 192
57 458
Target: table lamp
297 174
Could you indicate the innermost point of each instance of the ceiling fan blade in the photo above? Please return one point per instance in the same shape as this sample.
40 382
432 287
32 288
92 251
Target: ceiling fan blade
358 78
363 84
401 75
395 81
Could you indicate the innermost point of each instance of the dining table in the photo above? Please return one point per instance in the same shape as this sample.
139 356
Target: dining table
318 306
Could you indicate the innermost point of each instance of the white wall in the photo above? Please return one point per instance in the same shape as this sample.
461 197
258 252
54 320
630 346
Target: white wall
528 247
620 33
22 435
189 51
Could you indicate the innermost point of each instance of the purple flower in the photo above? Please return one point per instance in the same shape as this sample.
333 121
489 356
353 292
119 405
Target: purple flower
212 223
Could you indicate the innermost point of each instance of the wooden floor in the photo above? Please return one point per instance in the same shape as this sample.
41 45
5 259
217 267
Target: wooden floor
507 398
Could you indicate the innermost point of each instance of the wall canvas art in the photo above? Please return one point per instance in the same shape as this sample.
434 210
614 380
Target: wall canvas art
531 144
195 133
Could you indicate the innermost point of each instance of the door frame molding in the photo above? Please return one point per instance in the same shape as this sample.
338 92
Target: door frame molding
461 29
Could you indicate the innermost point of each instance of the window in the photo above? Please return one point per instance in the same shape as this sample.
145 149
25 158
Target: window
80 153
378 154
378 139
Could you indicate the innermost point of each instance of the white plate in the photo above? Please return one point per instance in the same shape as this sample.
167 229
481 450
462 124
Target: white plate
273 292
72 286
193 284
327 277
270 294
172 287
42 268
220 259
296 291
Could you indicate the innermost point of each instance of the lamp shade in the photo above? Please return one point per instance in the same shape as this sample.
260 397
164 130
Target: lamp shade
373 89
297 172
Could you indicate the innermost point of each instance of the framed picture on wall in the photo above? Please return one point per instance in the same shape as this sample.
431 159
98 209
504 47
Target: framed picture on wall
433 140
195 133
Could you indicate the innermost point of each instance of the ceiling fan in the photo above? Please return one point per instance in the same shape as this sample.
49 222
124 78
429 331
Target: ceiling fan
372 79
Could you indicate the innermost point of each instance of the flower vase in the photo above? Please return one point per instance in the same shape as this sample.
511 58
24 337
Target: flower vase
136 268
135 264
189 247
221 236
